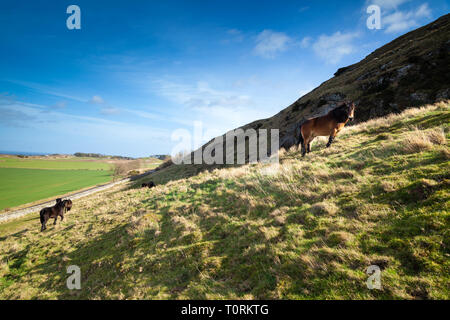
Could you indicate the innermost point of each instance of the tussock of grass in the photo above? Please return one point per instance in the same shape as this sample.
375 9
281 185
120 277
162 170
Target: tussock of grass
325 207
420 140
307 228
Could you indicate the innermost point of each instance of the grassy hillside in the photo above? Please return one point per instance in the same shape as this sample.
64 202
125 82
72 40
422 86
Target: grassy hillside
307 229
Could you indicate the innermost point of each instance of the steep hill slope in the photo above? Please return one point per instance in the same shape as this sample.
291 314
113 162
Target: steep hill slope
410 71
309 228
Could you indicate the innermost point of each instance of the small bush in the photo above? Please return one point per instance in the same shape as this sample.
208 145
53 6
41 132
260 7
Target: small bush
133 173
165 164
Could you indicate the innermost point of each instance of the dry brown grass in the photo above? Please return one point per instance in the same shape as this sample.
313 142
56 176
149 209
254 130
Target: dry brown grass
445 153
388 186
339 238
417 141
423 140
437 136
324 208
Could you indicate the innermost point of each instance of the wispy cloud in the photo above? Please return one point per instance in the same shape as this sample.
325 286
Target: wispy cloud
305 42
386 4
399 21
97 100
47 90
270 43
19 114
14 118
200 95
109 111
60 104
218 110
332 48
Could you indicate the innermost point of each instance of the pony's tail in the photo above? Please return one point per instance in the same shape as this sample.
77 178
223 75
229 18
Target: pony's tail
41 213
300 136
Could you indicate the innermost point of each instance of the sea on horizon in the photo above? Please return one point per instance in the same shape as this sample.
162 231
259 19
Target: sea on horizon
16 153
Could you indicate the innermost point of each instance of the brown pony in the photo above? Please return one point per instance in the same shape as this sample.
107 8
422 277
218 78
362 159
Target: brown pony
53 212
328 125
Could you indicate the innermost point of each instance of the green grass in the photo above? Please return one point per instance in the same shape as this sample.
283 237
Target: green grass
53 164
308 229
20 186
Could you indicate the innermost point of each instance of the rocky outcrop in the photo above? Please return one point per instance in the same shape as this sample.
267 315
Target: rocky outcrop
410 71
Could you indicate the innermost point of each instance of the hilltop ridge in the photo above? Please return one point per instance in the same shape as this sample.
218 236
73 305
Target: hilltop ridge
410 71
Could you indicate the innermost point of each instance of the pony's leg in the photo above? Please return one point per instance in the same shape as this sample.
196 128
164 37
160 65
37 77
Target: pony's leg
56 218
330 141
309 147
332 136
62 217
306 146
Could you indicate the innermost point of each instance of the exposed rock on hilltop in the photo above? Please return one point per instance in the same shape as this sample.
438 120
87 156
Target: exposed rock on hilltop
410 71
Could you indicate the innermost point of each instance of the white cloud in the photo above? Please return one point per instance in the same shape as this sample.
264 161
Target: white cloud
306 41
109 111
97 100
334 47
399 21
218 110
387 4
269 43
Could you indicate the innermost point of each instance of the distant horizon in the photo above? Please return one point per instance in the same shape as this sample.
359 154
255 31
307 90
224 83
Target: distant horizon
18 153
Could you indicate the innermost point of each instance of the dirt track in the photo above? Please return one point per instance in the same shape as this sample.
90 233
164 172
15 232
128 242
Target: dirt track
21 212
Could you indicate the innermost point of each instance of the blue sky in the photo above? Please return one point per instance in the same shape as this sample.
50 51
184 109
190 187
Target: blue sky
137 71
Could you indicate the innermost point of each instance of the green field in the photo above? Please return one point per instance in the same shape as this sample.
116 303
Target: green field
59 164
27 180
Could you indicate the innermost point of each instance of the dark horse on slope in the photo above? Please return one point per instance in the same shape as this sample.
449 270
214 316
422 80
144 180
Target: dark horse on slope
328 125
61 207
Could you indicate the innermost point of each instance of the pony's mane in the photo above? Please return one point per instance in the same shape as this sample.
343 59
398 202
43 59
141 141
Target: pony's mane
59 204
340 114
